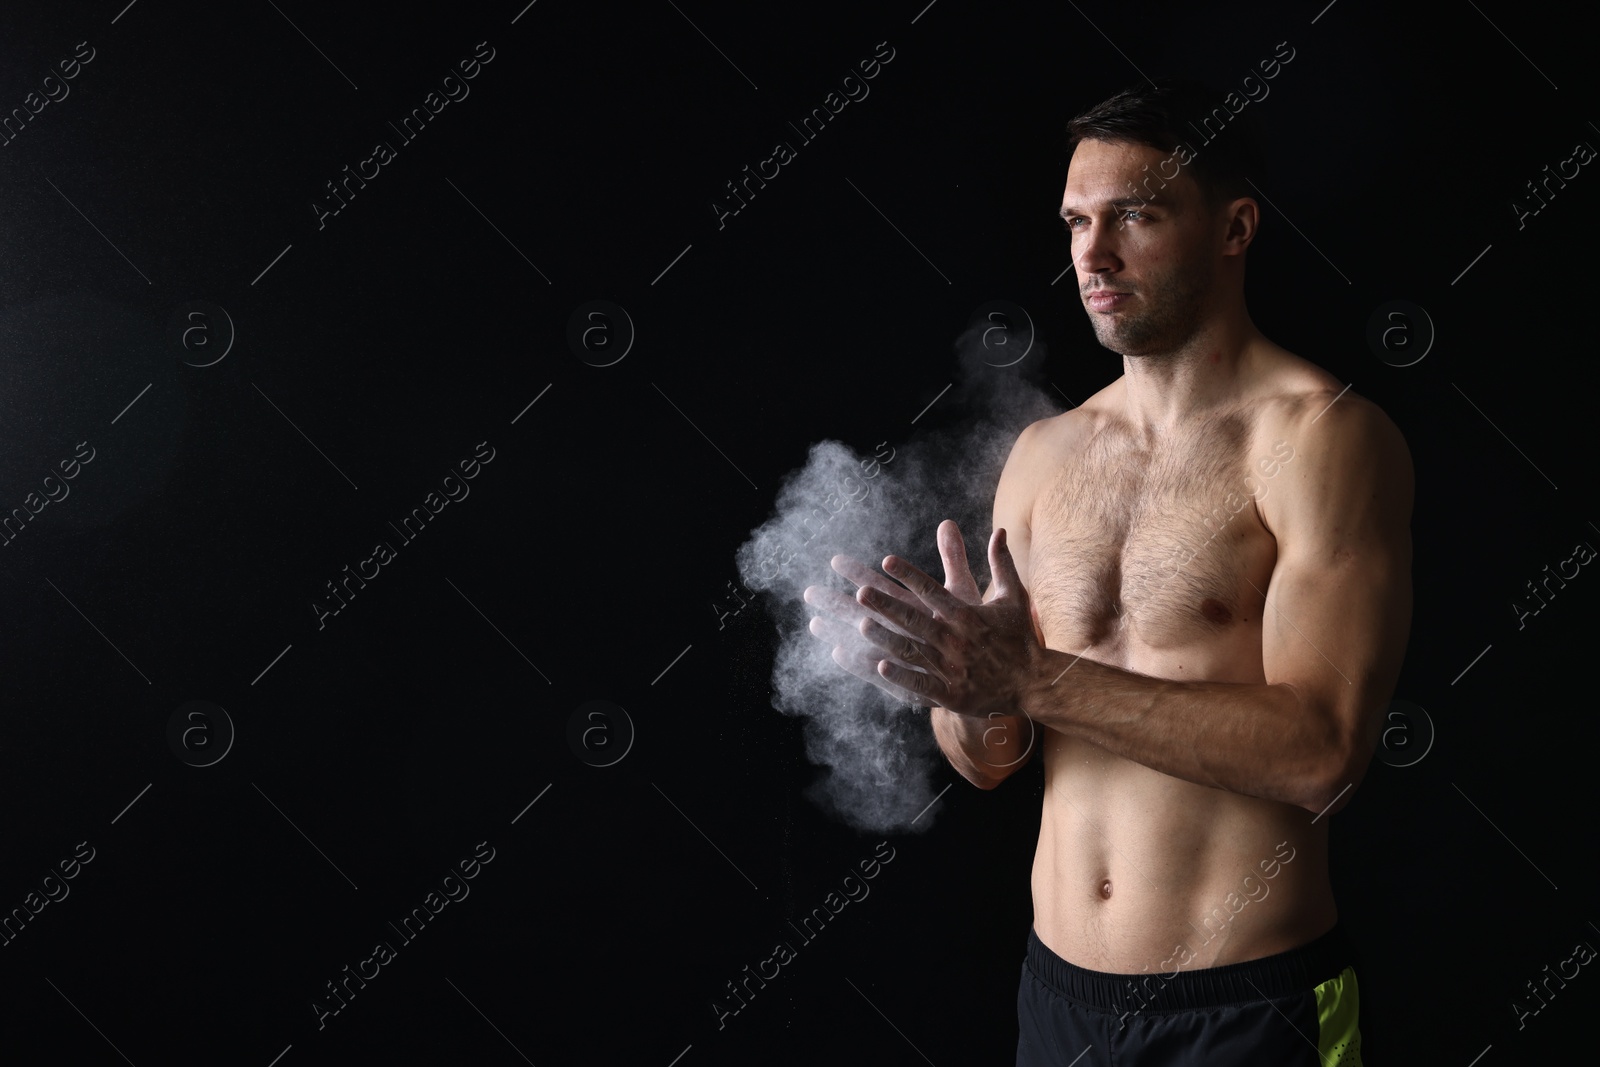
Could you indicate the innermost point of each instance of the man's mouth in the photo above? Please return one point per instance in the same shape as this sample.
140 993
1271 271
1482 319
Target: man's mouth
1105 299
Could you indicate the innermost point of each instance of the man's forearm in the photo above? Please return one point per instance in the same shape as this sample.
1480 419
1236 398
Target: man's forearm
983 751
1259 740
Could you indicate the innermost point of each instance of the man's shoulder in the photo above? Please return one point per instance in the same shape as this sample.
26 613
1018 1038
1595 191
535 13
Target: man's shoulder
1040 450
1300 402
1342 445
1056 435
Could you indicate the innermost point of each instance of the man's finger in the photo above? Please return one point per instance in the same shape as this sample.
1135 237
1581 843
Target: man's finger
845 608
1002 566
832 602
864 650
925 689
917 622
904 649
831 631
957 573
864 575
935 596
865 667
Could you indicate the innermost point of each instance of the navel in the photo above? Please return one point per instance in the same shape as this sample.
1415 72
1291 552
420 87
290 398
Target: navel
1105 889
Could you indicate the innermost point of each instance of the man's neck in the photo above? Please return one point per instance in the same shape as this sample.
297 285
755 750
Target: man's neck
1168 391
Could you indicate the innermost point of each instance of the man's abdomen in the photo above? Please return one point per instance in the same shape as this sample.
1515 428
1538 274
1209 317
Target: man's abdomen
1137 871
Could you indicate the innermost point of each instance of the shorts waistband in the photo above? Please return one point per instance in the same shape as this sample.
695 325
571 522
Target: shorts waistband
1296 971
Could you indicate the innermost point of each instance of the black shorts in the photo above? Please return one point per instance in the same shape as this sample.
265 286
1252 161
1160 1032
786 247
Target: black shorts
1296 1008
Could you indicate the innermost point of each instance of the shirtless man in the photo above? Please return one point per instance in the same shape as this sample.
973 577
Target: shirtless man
1199 604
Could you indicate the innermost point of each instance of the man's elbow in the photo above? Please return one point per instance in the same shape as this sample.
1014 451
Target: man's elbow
987 775
984 759
1336 777
980 777
972 770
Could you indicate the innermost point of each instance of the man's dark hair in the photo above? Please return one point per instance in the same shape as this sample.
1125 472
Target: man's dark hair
1226 146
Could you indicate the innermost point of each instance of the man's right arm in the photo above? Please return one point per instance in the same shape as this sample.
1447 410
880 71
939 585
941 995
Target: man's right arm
987 751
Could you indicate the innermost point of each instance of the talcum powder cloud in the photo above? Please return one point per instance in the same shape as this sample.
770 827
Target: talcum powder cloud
878 755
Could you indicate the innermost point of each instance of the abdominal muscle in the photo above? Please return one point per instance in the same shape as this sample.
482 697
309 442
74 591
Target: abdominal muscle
1137 871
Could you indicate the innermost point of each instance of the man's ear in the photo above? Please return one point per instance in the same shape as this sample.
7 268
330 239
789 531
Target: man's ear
1243 219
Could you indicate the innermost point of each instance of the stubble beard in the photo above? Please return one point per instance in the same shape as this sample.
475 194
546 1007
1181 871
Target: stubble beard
1171 310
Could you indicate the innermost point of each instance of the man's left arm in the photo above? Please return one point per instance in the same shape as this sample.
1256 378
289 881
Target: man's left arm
1337 618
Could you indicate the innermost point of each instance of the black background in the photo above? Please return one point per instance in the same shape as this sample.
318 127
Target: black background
424 718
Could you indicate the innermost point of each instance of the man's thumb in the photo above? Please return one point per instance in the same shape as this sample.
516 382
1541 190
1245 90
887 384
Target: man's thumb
958 577
1002 566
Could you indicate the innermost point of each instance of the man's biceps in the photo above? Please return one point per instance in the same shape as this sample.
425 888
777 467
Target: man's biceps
1335 586
1342 670
1311 645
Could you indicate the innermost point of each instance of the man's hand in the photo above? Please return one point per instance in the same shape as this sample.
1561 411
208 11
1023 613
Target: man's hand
843 616
945 647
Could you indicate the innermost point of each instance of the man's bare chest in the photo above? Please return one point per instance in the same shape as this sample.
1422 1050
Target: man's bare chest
1155 548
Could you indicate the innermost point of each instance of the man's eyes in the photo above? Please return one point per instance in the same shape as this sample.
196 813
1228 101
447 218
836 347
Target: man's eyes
1131 214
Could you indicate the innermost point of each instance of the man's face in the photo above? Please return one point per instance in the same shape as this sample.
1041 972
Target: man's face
1130 235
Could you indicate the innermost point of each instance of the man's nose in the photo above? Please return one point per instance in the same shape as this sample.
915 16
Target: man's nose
1097 250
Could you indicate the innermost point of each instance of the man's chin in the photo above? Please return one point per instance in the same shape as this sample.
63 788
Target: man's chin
1120 342
1136 351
